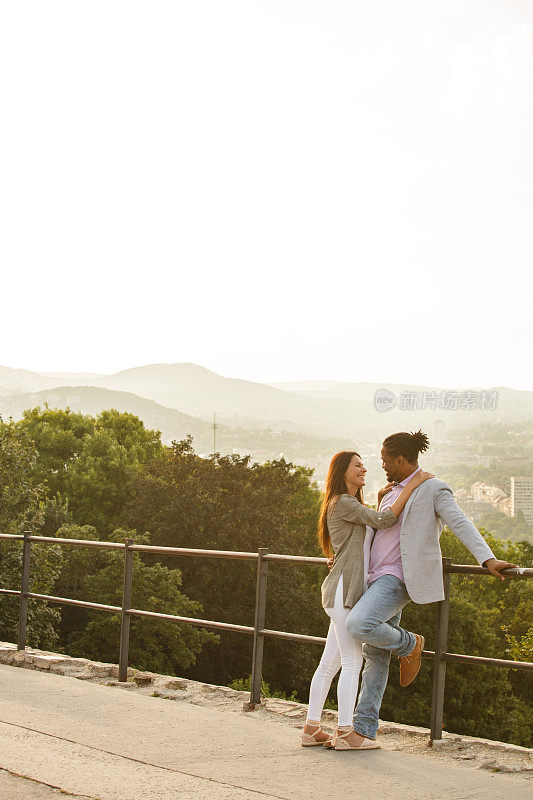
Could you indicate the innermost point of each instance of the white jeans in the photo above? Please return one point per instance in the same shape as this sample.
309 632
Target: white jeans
342 652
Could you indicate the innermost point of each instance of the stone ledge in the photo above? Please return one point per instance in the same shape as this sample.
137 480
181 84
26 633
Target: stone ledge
169 687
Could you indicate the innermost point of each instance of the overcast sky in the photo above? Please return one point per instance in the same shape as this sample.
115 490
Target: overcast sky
277 190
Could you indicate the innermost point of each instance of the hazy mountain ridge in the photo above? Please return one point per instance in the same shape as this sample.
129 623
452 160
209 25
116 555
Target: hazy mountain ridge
14 381
320 408
92 400
174 425
350 391
200 392
74 376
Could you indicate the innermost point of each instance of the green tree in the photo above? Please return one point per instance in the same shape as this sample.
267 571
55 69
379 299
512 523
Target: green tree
504 527
228 503
20 493
58 436
88 463
22 505
96 575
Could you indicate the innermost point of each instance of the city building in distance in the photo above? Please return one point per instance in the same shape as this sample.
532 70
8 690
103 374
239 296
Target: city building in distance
522 498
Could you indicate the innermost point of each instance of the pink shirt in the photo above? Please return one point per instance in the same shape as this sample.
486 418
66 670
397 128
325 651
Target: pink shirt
385 556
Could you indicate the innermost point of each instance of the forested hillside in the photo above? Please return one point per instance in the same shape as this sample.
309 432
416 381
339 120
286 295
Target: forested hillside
108 477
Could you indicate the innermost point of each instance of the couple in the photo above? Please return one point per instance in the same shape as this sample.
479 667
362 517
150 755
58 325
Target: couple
381 560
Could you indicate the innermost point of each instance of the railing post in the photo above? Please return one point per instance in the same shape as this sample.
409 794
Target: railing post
24 589
259 623
439 666
125 618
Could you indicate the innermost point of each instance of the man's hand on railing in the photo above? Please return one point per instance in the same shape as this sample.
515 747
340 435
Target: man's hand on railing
330 563
494 566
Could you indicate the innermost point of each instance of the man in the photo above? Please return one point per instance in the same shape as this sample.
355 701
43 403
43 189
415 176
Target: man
405 563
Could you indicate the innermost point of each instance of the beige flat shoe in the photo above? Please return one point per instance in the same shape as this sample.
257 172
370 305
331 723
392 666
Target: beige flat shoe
330 744
309 740
342 744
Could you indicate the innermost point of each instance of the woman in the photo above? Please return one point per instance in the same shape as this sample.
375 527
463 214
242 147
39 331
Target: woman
341 531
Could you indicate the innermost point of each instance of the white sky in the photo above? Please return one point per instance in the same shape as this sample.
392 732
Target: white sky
276 190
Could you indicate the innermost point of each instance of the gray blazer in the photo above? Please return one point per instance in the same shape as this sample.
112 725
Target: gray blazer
428 510
347 521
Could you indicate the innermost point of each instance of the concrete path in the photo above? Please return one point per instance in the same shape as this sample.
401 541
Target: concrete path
13 787
102 742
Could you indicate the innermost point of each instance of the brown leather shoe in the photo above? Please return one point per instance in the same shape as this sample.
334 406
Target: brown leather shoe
410 665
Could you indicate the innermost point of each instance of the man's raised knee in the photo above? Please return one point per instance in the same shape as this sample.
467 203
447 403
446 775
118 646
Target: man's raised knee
357 625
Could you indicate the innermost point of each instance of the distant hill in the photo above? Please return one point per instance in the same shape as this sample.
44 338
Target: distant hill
512 405
306 386
200 392
195 390
321 409
262 444
20 381
13 381
74 378
92 400
350 391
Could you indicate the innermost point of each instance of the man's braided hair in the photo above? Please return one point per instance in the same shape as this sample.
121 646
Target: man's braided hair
408 445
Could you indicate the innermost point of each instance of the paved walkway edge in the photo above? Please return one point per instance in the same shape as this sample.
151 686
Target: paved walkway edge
210 694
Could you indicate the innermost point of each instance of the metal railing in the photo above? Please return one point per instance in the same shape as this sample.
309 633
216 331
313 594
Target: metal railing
440 656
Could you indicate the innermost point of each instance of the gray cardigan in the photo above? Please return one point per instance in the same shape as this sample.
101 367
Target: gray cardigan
347 521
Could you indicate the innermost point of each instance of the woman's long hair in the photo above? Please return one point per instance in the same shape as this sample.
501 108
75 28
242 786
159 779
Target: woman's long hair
335 486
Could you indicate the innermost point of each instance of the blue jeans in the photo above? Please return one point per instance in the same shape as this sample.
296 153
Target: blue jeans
375 619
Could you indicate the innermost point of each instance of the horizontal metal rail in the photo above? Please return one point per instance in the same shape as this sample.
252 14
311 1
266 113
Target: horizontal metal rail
296 559
68 601
294 637
58 540
471 569
187 551
440 656
78 542
178 551
468 569
204 623
456 658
